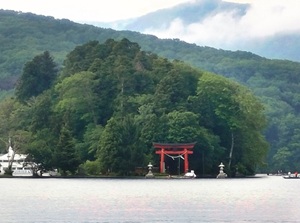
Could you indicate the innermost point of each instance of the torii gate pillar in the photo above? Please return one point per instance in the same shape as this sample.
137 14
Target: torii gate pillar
183 149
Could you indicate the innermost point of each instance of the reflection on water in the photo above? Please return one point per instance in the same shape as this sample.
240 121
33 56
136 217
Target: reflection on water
262 199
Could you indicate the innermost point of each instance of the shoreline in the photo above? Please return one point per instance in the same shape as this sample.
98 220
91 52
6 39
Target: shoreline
129 177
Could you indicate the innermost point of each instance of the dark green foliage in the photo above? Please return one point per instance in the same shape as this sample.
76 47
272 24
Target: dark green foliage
120 147
41 149
138 98
81 58
38 75
173 90
41 111
65 155
231 112
90 143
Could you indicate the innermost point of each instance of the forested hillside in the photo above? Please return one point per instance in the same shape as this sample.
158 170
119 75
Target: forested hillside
276 82
111 101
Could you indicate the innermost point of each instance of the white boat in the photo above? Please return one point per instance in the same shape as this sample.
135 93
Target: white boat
188 175
51 173
17 162
292 176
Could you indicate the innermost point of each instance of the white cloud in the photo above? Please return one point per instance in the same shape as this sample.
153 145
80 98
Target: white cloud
264 18
89 10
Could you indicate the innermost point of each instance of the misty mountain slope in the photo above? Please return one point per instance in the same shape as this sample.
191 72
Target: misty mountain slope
222 25
188 13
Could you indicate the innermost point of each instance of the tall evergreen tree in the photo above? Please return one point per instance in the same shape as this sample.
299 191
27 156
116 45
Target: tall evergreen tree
65 156
38 75
121 149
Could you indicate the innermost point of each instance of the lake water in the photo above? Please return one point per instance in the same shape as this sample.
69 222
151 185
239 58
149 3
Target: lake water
261 199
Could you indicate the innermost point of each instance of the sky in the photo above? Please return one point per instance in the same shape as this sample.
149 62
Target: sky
264 19
89 10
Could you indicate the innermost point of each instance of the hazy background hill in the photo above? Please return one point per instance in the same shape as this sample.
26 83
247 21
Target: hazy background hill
276 82
188 13
216 23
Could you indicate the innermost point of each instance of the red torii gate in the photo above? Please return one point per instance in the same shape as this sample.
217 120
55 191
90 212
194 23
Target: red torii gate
174 149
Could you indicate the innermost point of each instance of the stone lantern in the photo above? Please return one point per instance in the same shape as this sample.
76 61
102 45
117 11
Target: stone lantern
221 173
149 174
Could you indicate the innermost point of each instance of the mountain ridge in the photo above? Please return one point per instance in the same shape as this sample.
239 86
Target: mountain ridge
281 45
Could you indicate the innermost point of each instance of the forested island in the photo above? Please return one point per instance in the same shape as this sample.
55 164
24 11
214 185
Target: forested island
103 83
103 110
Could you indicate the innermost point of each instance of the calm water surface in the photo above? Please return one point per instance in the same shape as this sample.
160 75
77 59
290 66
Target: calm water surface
261 199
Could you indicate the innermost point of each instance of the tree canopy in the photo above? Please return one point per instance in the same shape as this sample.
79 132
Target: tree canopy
38 76
111 101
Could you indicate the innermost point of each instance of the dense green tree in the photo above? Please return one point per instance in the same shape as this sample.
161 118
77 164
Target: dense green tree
80 59
7 108
66 156
77 97
41 112
236 116
15 120
90 144
173 90
41 150
182 127
120 148
38 75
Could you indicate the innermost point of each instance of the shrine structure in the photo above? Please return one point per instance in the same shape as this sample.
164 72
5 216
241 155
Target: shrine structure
182 150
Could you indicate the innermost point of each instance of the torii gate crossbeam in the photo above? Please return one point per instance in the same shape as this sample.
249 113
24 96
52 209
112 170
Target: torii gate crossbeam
183 149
